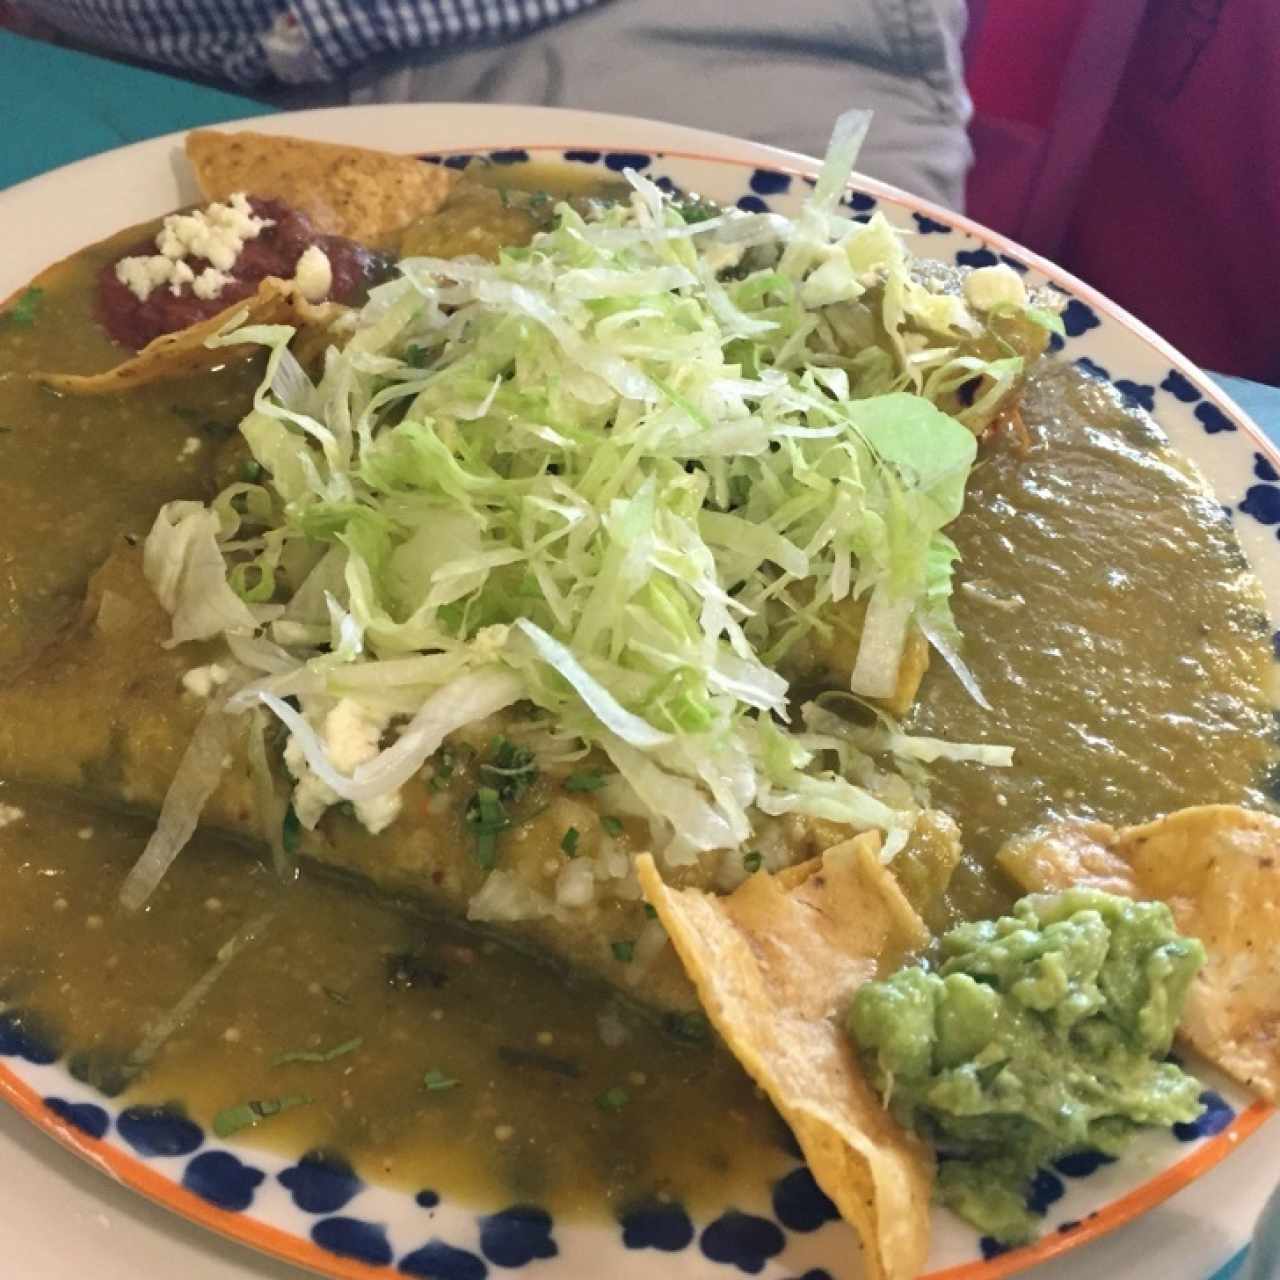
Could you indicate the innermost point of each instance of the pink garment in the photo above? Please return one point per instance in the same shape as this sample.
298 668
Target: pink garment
1179 217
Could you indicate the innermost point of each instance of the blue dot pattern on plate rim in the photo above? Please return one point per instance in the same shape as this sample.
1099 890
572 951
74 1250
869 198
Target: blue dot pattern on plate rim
665 1227
517 1236
159 1131
928 226
223 1180
982 257
1046 1189
321 1187
352 1238
320 1183
88 1117
439 1261
743 1240
800 1204
619 160
1217 1115
1179 387
1137 395
1078 318
1080 1164
990 1247
1262 502
770 182
1212 419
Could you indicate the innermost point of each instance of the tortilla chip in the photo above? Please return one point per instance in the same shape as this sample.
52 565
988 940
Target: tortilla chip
346 191
182 354
775 964
1218 869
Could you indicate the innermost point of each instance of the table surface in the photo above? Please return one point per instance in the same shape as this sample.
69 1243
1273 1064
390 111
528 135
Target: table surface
60 106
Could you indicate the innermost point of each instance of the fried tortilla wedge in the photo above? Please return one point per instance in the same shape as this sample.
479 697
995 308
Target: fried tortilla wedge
184 353
775 964
347 191
1218 869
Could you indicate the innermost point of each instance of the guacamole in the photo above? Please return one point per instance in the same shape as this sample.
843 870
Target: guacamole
1038 1034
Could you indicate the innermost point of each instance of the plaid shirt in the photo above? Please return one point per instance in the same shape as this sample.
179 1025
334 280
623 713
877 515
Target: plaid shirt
296 41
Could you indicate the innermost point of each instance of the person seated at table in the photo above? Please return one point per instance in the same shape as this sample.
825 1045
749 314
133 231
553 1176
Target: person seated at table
776 73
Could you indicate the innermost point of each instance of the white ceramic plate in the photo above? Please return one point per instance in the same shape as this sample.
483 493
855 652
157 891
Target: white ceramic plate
340 1226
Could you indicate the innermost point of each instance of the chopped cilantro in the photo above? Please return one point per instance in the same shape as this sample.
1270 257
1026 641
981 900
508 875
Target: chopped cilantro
752 861
22 314
651 911
416 357
569 843
584 780
695 209
613 826
623 952
313 1055
250 470
437 1081
487 819
613 1099
249 1115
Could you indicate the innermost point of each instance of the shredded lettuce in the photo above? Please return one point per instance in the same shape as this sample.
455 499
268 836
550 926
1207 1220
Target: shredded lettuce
618 474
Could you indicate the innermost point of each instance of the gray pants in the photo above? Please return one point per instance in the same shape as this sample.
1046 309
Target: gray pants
775 72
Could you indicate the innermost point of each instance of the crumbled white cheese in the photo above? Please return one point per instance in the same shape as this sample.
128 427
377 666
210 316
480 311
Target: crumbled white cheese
989 287
216 234
142 275
179 274
314 274
352 735
490 641
202 681
190 447
10 813
209 283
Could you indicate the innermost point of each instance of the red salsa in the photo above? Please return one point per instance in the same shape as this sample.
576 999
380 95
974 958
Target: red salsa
275 251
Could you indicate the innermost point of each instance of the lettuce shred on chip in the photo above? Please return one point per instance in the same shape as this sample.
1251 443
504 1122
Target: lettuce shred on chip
618 475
